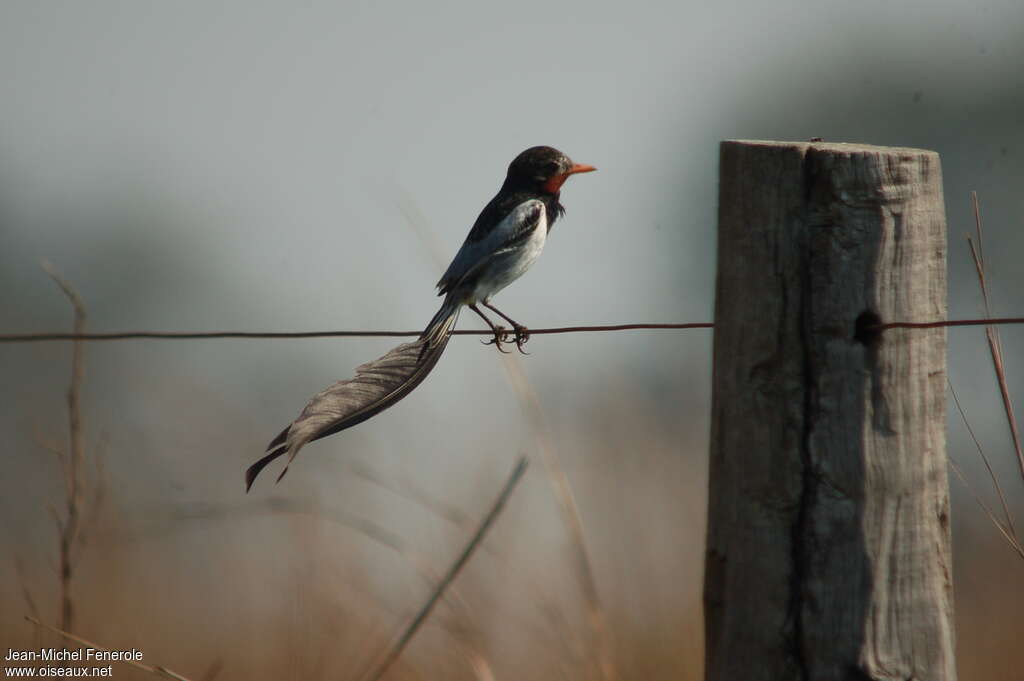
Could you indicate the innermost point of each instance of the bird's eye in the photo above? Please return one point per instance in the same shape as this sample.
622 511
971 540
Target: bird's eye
551 168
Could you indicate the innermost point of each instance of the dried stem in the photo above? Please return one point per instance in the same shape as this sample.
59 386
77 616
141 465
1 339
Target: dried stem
73 463
26 593
1011 540
602 644
159 671
398 646
988 465
995 345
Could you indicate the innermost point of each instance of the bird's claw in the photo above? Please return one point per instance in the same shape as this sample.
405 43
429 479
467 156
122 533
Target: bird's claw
522 335
501 335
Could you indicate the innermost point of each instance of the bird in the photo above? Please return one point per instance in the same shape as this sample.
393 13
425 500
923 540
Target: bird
504 242
506 239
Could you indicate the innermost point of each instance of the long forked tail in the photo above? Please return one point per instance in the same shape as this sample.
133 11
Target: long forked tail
376 386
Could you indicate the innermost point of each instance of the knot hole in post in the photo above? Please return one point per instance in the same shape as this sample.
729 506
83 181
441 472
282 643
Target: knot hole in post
866 330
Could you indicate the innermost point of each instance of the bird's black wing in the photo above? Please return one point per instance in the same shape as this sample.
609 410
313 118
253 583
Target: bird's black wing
507 232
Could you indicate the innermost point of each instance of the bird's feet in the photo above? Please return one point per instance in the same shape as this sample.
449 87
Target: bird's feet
522 335
501 335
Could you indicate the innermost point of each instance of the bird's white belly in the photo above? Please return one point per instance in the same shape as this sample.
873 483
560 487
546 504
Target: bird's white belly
514 264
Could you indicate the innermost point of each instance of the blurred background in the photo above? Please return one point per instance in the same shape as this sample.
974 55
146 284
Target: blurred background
271 166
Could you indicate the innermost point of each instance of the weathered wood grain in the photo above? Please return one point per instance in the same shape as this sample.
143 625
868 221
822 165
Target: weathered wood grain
828 551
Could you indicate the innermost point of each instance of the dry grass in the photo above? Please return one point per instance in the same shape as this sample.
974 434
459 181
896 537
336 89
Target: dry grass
1004 523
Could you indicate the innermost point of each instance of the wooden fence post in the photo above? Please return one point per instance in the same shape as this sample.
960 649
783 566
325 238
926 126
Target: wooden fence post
828 551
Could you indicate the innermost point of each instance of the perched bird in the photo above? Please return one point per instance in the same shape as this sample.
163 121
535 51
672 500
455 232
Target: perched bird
506 239
504 242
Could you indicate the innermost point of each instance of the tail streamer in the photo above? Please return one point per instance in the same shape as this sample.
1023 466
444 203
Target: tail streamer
376 386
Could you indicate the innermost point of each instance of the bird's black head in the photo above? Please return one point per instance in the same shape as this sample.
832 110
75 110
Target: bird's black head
543 170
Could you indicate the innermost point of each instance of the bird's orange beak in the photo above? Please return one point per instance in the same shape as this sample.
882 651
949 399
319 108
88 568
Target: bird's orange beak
553 185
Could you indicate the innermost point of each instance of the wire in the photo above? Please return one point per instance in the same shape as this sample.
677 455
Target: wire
186 335
180 335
